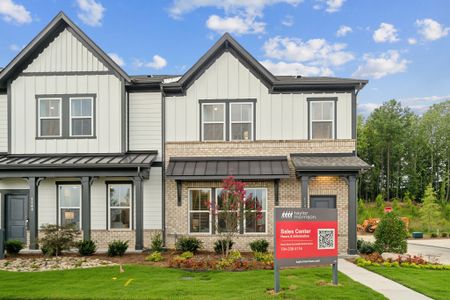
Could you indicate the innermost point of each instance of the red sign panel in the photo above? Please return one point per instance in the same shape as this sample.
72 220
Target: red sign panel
305 236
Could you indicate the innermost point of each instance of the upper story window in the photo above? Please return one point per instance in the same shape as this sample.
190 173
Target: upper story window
227 120
65 116
49 117
322 121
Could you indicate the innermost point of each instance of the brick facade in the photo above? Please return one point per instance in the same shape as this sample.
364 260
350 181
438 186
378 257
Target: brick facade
289 189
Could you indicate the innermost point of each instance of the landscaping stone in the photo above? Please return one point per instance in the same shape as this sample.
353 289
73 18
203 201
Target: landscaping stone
52 264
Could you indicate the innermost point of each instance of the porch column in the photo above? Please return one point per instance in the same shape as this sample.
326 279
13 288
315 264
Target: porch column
86 207
352 215
305 181
33 212
139 244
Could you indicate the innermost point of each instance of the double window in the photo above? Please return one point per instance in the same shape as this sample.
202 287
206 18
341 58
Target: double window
120 198
199 214
66 116
322 121
227 120
69 196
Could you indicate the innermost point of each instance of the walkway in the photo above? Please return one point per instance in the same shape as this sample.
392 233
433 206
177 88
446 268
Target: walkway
390 289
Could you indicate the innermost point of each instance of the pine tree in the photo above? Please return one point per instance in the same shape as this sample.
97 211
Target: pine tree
430 211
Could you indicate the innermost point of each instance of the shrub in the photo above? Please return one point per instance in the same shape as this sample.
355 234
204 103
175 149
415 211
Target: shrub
117 248
391 234
220 246
13 247
191 244
155 257
259 246
86 248
187 255
57 238
367 247
444 234
379 201
434 235
157 243
266 258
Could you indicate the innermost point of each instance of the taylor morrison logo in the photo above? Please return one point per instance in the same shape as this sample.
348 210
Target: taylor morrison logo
287 214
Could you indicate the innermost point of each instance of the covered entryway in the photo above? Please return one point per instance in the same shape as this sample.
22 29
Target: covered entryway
16 217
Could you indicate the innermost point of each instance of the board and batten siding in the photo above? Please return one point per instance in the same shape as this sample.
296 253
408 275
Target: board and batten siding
108 90
65 54
278 116
3 123
145 122
152 200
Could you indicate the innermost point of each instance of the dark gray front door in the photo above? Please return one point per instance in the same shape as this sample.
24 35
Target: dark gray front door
323 201
16 216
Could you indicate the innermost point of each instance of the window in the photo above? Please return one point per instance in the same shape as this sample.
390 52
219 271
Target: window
241 121
49 124
199 215
221 220
119 200
256 213
213 122
69 204
322 120
81 116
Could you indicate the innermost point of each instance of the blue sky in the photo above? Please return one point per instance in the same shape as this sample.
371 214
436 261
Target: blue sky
401 46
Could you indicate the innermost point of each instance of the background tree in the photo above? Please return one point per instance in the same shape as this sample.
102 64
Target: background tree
430 210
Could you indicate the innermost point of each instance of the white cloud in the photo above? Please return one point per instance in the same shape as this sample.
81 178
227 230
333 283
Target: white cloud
367 108
15 48
91 12
117 59
412 41
284 68
431 30
236 24
343 30
316 52
385 64
330 6
14 13
385 33
157 63
288 21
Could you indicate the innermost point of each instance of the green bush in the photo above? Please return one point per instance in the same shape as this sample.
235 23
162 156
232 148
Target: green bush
86 248
444 234
117 248
259 246
391 234
157 243
155 257
379 200
365 247
187 255
220 245
434 235
13 247
188 243
57 238
263 257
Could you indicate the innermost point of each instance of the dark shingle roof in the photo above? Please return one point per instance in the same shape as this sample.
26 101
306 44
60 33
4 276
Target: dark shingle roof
328 162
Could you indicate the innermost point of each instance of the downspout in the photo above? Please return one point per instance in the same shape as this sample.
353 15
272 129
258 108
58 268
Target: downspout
163 167
357 90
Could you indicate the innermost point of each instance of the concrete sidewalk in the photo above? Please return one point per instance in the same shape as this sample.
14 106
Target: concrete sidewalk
390 289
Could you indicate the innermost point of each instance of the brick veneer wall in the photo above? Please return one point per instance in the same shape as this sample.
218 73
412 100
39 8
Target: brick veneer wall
289 189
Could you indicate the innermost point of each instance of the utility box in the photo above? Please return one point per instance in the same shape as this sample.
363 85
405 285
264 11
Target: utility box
417 235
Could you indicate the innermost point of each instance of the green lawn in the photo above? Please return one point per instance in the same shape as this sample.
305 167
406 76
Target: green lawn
433 283
145 282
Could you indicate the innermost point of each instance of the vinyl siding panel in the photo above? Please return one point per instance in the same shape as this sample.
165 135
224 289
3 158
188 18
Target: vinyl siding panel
278 116
3 123
47 203
152 200
145 122
99 203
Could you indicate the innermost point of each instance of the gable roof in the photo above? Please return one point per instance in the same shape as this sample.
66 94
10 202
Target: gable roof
273 83
43 39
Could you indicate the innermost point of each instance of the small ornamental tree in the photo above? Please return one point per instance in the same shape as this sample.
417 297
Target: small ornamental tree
430 210
391 234
233 204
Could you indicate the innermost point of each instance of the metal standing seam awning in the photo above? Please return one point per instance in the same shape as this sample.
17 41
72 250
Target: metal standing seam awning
218 168
327 163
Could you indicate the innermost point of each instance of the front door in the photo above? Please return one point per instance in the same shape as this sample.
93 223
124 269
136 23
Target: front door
322 201
16 216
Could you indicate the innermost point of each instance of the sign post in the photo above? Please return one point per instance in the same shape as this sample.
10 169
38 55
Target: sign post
305 237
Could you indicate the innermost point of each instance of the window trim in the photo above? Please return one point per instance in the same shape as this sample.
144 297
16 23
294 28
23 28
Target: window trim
58 185
238 231
332 100
264 211
224 122
108 185
40 99
231 122
189 211
81 117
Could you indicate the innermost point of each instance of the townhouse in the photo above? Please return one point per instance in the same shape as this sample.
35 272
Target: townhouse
122 156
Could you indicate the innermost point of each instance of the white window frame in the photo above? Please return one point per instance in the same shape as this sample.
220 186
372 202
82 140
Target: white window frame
81 117
49 118
203 122
109 185
263 211
333 121
250 138
198 211
68 207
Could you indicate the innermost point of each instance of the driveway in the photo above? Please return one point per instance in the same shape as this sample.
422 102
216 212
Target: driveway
427 248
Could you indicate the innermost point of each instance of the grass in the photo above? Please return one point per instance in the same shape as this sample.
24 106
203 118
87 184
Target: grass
146 282
433 283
